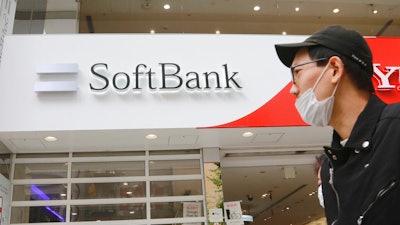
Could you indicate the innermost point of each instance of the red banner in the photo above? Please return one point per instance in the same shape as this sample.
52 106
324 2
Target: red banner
280 110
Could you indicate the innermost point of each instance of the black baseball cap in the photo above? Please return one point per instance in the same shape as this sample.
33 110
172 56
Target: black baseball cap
347 42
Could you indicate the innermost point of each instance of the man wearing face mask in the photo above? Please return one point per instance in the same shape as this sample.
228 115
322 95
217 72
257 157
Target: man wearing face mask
331 72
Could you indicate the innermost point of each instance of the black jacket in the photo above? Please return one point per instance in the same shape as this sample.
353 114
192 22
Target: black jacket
360 181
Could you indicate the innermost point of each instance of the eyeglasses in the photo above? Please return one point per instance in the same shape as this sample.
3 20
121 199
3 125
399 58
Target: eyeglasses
302 64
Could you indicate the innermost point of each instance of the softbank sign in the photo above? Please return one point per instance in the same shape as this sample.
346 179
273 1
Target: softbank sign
169 77
162 77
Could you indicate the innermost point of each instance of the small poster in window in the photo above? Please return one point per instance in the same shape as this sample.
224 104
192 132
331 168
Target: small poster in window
192 209
233 213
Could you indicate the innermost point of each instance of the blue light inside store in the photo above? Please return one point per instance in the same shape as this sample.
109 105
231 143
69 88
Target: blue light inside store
43 196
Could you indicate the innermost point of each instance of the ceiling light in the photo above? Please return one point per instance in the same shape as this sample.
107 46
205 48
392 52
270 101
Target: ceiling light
152 31
50 138
284 33
217 32
264 195
336 10
247 134
374 11
129 192
151 136
296 9
257 8
267 195
167 6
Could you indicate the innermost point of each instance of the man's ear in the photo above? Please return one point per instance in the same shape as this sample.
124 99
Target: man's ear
337 66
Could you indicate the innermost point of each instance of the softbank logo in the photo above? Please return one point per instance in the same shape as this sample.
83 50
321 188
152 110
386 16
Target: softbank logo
56 77
384 77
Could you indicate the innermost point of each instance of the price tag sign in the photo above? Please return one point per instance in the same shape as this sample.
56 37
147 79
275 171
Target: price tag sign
216 215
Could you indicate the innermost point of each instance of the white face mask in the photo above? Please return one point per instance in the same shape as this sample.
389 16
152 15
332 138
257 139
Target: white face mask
321 196
312 111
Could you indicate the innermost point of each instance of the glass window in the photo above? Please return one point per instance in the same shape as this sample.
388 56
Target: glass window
5 165
105 188
176 209
40 17
175 188
107 169
42 155
38 214
107 154
40 170
183 224
175 152
174 167
37 192
108 190
108 212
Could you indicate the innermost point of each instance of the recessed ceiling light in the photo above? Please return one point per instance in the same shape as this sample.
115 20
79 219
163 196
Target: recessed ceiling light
296 9
336 10
50 138
151 136
167 6
257 8
374 11
247 134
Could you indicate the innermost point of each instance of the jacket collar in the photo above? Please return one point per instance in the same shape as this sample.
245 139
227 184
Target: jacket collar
361 134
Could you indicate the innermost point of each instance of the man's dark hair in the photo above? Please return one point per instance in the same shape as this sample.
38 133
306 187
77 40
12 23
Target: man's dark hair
359 76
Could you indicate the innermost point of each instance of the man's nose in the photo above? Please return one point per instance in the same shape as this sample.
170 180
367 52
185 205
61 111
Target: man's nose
294 90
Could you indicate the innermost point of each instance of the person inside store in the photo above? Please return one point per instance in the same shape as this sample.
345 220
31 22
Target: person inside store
332 82
317 170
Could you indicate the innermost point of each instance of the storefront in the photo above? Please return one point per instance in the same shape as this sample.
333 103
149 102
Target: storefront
100 95
124 129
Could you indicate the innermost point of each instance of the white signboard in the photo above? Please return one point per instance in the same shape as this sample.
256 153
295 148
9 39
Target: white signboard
137 81
233 213
5 191
216 215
